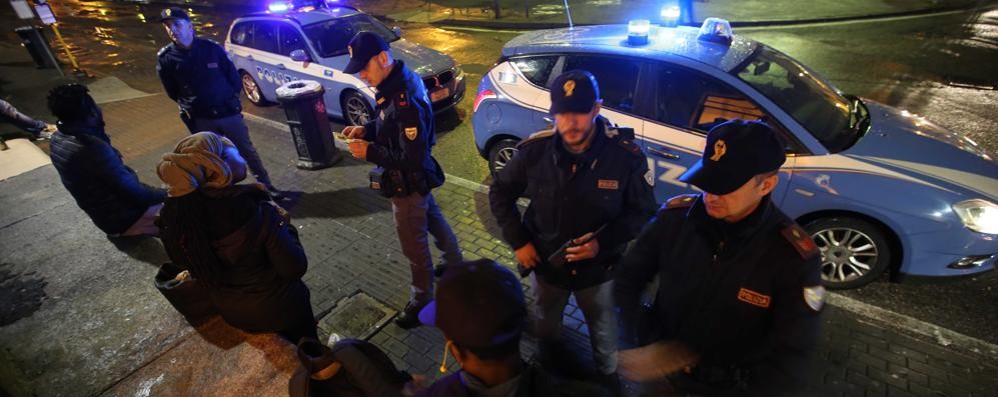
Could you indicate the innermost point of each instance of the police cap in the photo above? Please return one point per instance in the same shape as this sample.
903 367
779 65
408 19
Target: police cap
478 305
173 13
736 151
364 46
574 91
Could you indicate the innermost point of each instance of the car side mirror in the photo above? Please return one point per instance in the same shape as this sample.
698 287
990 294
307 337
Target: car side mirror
300 56
397 30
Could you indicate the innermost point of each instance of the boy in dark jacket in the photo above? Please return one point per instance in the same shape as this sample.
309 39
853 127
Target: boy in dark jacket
92 170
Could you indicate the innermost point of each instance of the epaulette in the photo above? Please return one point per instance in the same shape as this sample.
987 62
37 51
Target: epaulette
680 201
164 50
624 137
535 137
801 241
402 100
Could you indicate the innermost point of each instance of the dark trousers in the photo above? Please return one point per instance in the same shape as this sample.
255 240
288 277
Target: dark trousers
416 218
234 128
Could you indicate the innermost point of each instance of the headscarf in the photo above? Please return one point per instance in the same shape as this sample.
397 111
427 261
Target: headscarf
197 162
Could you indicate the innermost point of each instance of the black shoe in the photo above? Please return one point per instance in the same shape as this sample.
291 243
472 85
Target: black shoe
439 271
409 318
275 194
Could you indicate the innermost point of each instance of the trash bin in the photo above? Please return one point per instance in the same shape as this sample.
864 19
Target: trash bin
34 40
306 113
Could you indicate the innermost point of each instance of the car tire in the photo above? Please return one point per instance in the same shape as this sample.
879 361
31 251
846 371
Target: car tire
500 153
854 252
252 89
356 109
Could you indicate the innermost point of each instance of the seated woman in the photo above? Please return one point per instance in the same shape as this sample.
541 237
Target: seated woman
234 239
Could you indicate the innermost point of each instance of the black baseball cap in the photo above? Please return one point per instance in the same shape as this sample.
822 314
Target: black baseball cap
478 304
173 13
364 46
736 151
574 91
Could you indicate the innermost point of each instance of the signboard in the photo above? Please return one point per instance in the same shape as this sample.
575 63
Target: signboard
45 13
22 9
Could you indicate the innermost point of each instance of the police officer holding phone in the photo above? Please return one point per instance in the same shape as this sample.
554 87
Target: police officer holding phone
198 75
582 176
399 142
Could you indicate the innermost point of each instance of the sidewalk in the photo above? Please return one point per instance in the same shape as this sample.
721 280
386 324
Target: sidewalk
533 14
86 319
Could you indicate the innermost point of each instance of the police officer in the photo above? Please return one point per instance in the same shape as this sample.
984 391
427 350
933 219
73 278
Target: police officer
399 141
198 75
740 282
582 176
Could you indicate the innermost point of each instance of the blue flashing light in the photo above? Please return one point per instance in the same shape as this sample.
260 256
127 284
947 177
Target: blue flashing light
279 7
670 13
637 31
716 30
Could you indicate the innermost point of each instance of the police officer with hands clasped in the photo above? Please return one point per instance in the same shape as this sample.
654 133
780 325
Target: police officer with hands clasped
399 142
740 287
198 75
590 192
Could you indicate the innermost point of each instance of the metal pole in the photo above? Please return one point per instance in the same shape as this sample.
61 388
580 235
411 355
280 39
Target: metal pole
72 59
48 51
569 13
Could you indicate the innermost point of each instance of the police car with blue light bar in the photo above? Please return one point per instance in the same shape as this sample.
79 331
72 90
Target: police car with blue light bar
880 189
308 41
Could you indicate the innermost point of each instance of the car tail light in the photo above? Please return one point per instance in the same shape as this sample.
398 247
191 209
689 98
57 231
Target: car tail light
483 95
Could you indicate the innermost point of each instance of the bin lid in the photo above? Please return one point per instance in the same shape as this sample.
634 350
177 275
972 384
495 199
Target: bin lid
297 88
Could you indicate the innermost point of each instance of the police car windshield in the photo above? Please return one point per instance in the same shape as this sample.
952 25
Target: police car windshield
331 37
814 103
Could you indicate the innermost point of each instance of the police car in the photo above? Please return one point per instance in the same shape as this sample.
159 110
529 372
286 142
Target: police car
287 43
880 189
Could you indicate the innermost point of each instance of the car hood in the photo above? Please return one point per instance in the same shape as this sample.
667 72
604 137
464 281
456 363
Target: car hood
422 60
921 148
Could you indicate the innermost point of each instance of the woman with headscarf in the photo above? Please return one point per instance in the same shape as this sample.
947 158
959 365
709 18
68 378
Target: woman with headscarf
234 239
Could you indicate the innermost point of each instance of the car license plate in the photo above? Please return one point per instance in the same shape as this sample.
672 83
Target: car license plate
439 95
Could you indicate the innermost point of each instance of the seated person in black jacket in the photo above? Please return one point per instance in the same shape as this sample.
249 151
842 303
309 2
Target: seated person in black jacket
92 170
234 239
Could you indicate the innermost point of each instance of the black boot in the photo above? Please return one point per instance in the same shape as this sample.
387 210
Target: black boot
409 318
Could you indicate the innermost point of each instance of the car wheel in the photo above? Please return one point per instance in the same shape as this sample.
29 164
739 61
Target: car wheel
500 153
854 252
252 90
356 110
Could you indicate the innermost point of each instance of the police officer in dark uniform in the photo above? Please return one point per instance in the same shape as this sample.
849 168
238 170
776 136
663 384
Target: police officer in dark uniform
198 75
740 282
399 142
590 192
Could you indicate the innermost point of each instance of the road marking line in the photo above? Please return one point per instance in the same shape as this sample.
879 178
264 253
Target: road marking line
881 315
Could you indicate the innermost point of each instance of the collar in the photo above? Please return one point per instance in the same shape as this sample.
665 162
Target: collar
80 129
589 157
481 389
394 82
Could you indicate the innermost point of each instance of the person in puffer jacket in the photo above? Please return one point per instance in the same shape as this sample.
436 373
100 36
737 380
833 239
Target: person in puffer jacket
92 170
234 239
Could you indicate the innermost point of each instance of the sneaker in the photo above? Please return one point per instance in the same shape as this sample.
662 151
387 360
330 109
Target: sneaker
409 318
333 338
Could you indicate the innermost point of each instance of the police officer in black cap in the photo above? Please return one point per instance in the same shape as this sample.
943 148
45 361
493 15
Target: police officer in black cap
740 282
198 75
590 192
480 308
399 141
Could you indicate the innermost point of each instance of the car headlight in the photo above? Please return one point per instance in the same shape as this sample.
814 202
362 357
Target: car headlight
978 215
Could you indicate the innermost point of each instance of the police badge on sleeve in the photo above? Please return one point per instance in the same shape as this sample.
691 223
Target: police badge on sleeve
814 297
410 132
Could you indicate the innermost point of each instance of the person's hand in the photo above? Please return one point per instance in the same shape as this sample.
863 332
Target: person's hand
50 128
354 131
583 251
358 148
655 361
527 256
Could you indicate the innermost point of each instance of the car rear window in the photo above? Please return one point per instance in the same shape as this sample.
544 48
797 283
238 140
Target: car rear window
331 37
537 69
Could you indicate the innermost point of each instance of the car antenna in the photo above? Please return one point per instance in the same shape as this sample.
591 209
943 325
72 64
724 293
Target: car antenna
569 13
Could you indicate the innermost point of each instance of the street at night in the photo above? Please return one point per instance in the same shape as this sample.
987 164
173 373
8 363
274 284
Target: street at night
81 315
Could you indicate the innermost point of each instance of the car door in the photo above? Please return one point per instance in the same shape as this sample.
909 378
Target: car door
686 105
618 79
270 65
240 45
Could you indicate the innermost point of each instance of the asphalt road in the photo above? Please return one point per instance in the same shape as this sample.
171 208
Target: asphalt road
939 66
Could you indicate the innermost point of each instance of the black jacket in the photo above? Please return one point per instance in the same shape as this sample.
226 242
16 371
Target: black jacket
263 261
734 293
611 185
102 185
403 133
201 79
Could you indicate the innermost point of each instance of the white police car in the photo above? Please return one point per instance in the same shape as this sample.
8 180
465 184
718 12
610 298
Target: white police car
879 189
284 44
